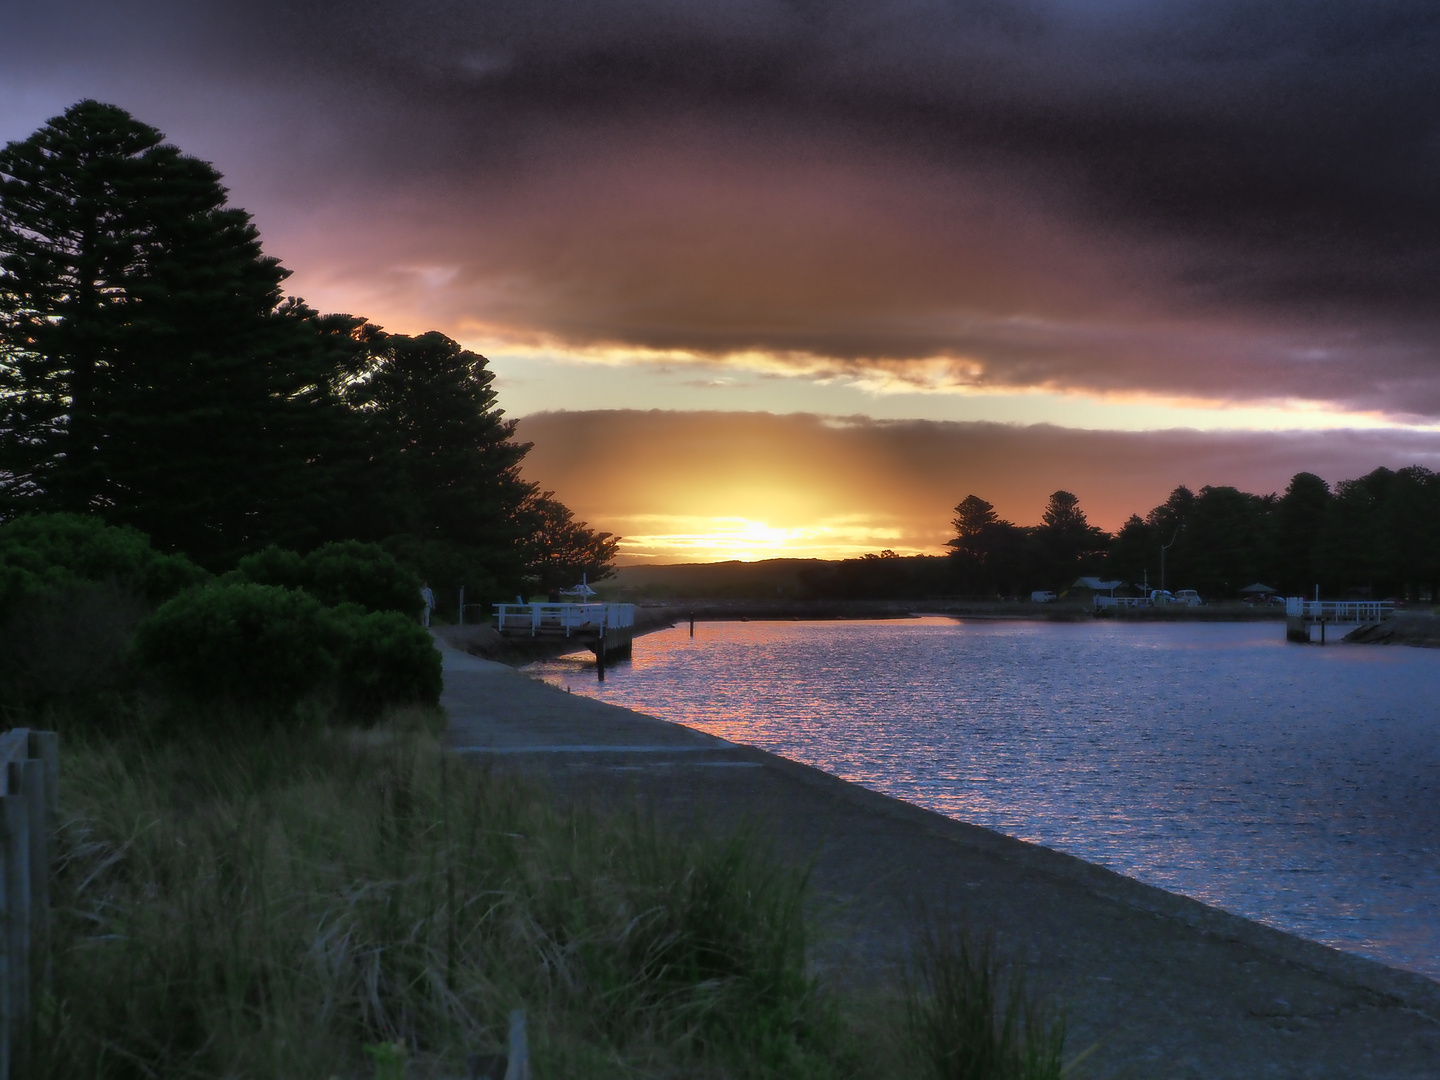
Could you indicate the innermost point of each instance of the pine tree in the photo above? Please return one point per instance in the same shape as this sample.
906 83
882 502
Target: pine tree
442 466
148 370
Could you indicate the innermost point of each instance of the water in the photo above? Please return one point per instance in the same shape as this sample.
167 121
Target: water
1295 785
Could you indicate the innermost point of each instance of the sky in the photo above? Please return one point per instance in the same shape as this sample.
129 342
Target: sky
769 278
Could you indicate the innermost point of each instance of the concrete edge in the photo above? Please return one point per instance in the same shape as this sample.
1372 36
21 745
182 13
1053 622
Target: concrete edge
1405 988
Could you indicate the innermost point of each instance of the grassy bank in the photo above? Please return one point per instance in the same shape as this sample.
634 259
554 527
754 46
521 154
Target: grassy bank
274 904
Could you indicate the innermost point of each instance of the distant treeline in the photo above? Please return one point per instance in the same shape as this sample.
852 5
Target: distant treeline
1378 535
154 374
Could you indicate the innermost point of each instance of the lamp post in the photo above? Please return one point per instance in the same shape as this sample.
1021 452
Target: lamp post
1164 548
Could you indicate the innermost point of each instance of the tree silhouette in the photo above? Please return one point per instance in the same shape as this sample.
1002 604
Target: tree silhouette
1299 524
559 549
147 369
1067 542
986 552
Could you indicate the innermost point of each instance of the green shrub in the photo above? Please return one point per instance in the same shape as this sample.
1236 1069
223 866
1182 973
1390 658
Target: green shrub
271 648
256 645
343 572
43 551
385 659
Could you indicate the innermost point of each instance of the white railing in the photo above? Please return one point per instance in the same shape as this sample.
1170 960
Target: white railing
1339 611
567 618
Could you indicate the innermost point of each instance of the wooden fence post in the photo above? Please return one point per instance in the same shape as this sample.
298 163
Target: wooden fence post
15 836
29 807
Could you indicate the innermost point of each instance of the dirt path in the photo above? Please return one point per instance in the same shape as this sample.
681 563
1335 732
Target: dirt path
1169 988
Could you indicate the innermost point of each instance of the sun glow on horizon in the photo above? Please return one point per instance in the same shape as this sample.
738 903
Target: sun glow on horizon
723 539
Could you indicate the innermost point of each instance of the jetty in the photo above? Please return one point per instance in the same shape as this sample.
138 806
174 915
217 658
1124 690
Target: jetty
607 630
1304 617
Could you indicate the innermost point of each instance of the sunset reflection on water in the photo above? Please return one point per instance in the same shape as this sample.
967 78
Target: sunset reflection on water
1291 784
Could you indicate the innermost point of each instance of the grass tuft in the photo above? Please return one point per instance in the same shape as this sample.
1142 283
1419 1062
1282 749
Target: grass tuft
969 1016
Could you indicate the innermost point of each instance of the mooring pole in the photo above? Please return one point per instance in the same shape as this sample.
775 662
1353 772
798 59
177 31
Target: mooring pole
692 624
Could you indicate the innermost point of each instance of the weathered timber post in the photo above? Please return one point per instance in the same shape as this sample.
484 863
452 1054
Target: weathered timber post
15 836
517 1065
29 806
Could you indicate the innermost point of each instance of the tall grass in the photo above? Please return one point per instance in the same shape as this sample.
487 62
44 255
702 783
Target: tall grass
269 906
969 1016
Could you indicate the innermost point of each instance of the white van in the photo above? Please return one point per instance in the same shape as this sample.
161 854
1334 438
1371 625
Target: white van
1042 596
1188 597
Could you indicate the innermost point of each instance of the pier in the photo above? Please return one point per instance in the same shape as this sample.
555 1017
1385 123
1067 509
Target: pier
1302 616
607 630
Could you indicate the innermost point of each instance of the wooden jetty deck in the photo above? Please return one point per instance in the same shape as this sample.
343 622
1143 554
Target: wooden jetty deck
607 630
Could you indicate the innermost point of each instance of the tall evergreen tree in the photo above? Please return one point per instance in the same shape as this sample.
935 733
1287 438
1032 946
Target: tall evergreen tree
560 550
1135 555
1299 523
440 457
1067 544
987 551
147 369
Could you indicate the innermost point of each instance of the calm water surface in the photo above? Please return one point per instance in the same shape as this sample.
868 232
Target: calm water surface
1296 785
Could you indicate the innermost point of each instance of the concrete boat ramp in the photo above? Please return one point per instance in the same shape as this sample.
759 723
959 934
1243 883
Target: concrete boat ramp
1166 987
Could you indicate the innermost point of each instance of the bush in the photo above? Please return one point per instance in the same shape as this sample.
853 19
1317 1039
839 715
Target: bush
270 648
257 645
385 659
343 572
44 551
67 654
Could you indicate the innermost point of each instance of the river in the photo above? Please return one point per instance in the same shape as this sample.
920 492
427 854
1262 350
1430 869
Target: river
1295 785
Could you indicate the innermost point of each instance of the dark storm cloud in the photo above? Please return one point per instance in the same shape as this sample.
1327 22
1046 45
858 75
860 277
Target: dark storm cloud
1216 199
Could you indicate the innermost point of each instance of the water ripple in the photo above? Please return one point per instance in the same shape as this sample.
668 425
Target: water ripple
1295 785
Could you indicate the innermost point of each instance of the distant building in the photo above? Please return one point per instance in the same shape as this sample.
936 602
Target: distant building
1095 585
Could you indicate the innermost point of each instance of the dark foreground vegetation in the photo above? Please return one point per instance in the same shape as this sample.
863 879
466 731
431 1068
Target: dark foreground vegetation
244 906
267 866
292 905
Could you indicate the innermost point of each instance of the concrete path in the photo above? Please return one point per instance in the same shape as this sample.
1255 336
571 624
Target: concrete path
1166 987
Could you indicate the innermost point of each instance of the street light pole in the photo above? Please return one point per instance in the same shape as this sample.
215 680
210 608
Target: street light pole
1164 548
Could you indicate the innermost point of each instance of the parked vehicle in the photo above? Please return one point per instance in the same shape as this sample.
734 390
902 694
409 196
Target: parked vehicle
1042 596
1161 597
1187 596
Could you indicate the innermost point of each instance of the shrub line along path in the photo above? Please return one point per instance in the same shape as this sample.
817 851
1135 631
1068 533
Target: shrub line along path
1167 987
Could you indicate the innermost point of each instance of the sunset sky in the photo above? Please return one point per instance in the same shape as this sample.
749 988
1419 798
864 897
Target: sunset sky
771 278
